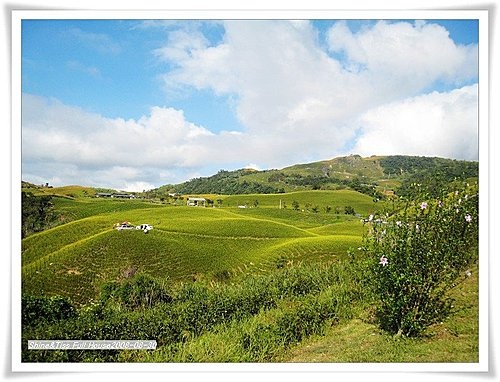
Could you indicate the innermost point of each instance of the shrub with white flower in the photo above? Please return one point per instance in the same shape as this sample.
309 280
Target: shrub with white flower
383 261
430 244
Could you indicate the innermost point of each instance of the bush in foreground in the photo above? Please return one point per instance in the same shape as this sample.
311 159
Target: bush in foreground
418 253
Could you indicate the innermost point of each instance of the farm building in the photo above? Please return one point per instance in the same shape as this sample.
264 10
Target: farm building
103 195
114 195
123 196
196 202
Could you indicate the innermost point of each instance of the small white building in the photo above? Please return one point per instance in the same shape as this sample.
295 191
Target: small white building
196 202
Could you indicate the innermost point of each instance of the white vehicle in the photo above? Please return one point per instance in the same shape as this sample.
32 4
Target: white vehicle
125 225
144 227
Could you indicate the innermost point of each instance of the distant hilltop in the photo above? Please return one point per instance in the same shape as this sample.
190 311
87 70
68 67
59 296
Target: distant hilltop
377 176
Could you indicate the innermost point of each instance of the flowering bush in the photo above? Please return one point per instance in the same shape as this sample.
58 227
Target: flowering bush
419 251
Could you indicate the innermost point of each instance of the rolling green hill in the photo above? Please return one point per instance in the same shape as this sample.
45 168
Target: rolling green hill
375 176
75 258
247 232
272 273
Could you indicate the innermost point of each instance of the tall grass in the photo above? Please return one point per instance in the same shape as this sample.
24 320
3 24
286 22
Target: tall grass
298 302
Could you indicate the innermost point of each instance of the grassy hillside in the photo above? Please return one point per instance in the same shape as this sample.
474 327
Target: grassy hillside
73 209
255 277
306 200
342 167
73 191
375 176
360 340
187 243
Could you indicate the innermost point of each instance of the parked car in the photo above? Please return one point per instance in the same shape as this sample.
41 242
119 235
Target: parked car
144 227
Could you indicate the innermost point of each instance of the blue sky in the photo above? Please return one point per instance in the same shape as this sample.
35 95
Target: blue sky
134 104
108 67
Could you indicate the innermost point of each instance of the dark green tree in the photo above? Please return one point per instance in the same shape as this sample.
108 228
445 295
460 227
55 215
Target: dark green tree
349 210
37 213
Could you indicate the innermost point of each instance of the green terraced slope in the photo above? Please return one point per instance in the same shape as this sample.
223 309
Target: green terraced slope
75 258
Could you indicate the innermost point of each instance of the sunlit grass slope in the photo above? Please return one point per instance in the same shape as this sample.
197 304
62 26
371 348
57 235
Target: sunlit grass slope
360 340
72 209
361 203
186 243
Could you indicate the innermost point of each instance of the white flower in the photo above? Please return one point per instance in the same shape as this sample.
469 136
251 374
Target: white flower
383 261
423 205
468 218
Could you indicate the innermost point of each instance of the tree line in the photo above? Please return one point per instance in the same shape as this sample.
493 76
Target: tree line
317 182
37 213
225 182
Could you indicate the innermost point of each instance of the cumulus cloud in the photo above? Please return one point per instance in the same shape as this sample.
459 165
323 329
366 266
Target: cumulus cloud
71 135
68 139
367 93
274 68
435 124
298 101
402 58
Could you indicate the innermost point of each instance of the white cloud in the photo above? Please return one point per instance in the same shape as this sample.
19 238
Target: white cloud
253 166
296 101
285 87
402 58
115 150
436 124
71 135
138 186
182 45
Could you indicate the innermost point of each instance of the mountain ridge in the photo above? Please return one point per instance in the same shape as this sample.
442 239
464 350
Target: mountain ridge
376 176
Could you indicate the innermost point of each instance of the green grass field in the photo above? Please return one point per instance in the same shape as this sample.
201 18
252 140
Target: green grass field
360 340
287 272
256 278
362 204
75 258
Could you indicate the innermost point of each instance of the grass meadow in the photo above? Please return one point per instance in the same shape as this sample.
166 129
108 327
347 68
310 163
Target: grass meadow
186 243
254 284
